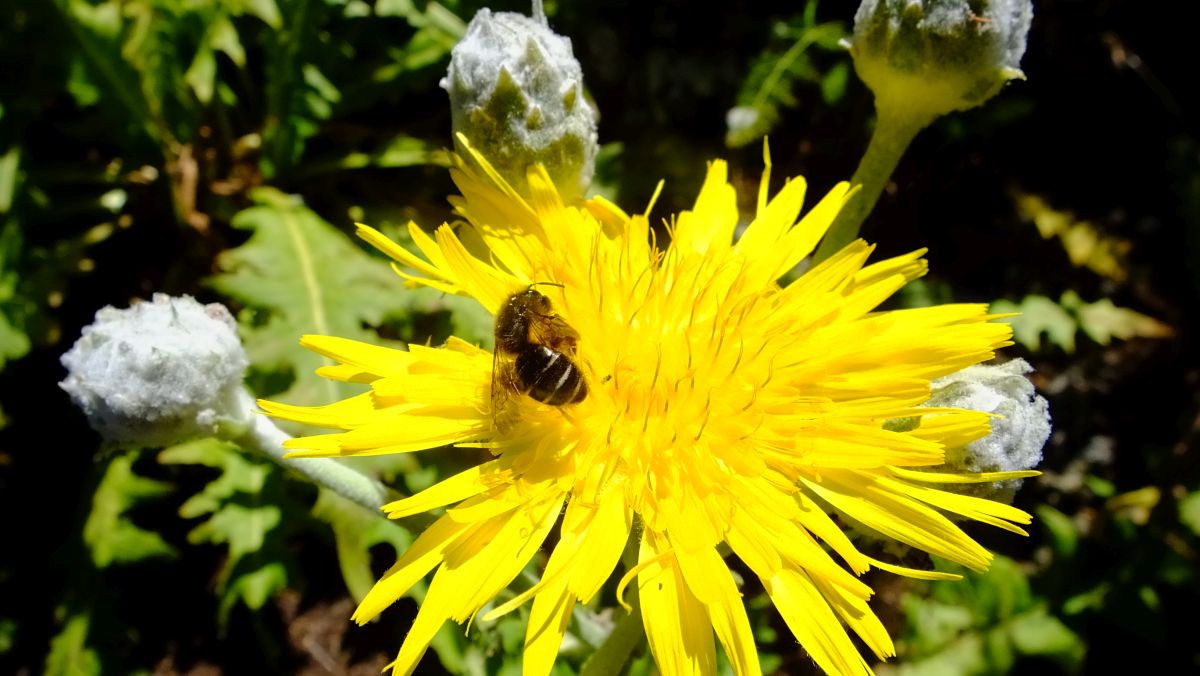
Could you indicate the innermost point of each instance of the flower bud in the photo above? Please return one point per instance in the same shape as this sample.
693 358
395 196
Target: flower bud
160 372
516 93
931 57
1019 430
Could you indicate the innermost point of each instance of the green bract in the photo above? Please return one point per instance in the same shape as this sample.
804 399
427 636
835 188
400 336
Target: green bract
932 57
516 93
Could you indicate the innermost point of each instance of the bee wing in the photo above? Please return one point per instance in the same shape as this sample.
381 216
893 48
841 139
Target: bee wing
553 332
504 385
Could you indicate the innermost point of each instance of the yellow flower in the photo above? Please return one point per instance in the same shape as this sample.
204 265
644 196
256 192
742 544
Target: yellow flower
722 408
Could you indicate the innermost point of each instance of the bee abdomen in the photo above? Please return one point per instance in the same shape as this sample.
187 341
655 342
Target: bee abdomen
550 376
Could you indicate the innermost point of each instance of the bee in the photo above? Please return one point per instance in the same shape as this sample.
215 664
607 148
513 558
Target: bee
535 353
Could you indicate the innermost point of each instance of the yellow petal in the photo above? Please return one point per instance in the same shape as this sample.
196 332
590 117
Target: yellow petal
677 624
807 613
414 564
708 578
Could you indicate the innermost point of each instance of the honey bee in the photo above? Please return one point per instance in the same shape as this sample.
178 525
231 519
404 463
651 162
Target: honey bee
535 353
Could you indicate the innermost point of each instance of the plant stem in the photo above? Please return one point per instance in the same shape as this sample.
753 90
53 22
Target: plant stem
268 439
895 128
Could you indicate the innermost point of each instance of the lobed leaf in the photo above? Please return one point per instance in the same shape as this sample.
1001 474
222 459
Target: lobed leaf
108 532
240 511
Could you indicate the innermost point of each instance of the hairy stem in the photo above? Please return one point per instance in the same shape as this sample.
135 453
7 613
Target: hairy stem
895 128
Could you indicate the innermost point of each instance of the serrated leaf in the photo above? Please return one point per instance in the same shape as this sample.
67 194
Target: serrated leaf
69 653
356 531
1039 315
1102 321
297 274
97 68
298 94
109 534
1085 244
240 517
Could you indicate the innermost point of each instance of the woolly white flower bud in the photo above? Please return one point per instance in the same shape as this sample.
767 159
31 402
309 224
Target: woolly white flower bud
516 93
1018 433
932 57
161 372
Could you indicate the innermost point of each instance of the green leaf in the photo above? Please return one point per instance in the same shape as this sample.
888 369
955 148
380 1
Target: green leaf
1189 511
240 511
778 70
69 652
297 275
219 36
8 634
1102 321
833 83
1086 245
97 29
202 74
1039 315
109 534
356 531
298 95
1064 535
400 151
266 10
984 624
10 162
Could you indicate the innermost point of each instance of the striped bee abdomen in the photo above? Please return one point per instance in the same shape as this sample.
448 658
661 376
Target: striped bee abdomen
549 376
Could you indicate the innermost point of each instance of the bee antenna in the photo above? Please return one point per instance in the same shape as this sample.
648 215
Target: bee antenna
558 284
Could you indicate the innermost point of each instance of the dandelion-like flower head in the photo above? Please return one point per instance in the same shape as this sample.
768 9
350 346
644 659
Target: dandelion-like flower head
723 408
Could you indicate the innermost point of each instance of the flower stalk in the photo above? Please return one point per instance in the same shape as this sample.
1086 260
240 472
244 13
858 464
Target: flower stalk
923 59
264 437
895 129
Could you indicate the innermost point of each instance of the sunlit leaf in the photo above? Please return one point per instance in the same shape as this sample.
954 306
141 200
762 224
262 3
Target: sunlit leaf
1135 505
69 651
1102 321
219 36
1189 511
985 624
14 343
357 531
1084 243
10 162
109 534
297 275
1064 535
267 10
1039 316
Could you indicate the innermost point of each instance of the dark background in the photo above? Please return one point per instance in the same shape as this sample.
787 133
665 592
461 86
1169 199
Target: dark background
1102 127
